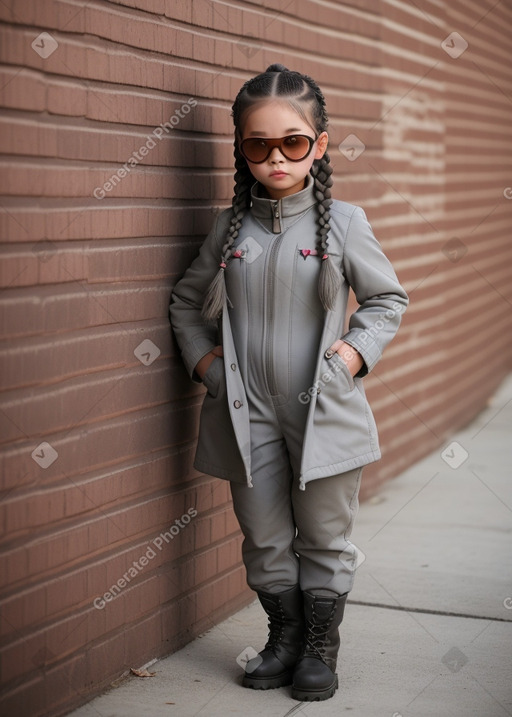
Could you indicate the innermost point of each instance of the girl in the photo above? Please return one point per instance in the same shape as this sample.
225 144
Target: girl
259 317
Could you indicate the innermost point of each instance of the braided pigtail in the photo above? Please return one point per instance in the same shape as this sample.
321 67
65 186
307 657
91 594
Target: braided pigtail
330 278
321 171
216 294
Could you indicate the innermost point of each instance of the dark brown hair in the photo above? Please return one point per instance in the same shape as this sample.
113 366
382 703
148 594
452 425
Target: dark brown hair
306 98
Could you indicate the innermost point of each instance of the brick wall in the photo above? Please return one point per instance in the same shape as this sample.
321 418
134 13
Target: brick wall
102 210
440 207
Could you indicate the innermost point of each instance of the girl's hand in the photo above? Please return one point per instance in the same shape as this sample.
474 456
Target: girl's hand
203 364
350 356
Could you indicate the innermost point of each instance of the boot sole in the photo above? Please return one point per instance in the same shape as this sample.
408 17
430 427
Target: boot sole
268 683
314 695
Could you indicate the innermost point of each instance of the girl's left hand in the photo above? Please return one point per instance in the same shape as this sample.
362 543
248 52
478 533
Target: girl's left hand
350 356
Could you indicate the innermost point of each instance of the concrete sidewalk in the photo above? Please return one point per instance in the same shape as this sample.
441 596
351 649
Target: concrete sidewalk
428 627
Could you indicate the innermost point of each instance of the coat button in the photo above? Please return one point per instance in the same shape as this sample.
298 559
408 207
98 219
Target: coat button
237 404
329 354
233 366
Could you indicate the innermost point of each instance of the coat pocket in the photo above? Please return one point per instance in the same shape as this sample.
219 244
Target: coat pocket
214 375
343 430
341 373
217 451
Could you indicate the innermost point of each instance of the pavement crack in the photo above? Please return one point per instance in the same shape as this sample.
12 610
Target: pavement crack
426 611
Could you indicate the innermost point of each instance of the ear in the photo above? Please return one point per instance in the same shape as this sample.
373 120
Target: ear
321 145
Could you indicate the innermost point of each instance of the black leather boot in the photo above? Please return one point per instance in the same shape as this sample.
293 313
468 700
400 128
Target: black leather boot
273 666
315 675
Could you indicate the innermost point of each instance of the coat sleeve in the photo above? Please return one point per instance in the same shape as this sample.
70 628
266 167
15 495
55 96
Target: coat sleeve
381 298
196 338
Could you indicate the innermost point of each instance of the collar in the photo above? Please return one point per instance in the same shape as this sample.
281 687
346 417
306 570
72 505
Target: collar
272 212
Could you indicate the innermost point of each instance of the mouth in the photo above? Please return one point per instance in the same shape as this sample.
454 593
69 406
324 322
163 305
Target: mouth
278 174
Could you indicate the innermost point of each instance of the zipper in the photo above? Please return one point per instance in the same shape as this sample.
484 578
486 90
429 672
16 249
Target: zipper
271 284
276 217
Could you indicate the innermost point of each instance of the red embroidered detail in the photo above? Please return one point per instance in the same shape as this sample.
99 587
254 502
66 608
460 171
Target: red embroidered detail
307 252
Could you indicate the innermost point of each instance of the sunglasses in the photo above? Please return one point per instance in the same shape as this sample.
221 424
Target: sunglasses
295 147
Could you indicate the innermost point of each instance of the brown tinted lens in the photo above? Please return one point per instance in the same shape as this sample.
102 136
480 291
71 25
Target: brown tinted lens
255 150
295 147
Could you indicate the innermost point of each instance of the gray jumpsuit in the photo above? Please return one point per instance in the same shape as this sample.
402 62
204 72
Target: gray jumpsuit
280 414
292 536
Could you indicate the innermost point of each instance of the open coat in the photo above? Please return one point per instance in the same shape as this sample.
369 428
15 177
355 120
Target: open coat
340 431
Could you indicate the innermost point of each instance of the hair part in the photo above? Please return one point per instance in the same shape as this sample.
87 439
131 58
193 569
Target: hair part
305 97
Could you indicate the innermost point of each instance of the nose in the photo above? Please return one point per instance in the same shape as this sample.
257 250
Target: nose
273 157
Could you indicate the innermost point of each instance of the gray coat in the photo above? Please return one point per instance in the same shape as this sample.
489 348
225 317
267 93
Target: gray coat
340 430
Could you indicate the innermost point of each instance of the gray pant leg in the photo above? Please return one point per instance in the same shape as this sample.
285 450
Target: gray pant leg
265 513
324 515
293 536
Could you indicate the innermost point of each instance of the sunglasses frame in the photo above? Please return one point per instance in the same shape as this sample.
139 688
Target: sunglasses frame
277 142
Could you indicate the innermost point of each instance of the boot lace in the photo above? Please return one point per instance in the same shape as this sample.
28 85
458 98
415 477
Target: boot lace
276 622
316 636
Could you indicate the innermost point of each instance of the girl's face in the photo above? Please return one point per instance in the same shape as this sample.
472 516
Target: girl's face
274 119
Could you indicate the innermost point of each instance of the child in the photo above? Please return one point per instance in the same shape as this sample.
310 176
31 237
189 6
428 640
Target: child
259 317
